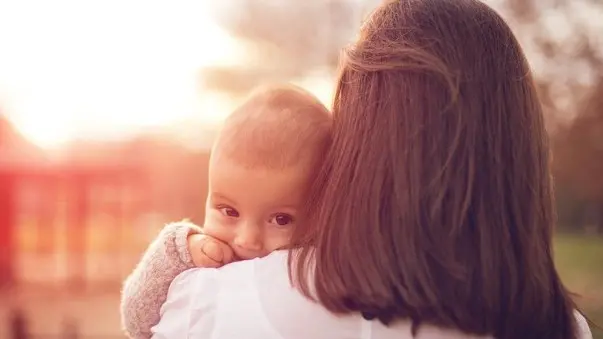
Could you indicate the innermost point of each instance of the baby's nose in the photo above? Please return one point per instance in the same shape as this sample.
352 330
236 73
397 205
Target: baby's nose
249 240
249 243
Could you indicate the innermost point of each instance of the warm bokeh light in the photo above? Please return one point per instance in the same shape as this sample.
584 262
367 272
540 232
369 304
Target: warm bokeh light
321 86
72 69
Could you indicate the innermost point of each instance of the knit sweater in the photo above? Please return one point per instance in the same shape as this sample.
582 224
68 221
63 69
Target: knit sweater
146 289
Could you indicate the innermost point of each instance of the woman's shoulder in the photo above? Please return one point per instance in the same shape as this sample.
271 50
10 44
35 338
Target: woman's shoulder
193 276
191 294
192 283
583 328
273 264
293 315
206 279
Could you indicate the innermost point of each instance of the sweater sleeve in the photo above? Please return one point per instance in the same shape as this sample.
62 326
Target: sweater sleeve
146 289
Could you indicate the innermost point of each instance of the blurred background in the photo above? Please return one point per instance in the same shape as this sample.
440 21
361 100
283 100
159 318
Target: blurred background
108 109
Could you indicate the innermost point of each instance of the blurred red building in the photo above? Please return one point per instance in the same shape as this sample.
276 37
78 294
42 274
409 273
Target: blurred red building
47 208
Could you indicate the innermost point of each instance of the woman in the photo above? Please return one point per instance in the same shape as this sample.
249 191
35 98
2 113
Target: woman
433 216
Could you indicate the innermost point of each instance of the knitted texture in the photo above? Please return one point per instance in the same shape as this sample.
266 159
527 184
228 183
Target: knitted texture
146 289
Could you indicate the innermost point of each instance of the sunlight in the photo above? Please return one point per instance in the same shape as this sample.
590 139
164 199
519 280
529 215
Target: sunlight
72 69
49 130
321 85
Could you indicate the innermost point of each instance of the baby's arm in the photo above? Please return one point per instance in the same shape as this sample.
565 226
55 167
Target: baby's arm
145 290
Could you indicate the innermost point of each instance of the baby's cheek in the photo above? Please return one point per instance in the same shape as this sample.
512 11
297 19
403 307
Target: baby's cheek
217 230
278 240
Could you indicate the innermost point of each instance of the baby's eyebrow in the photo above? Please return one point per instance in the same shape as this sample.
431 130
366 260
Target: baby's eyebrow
288 207
219 196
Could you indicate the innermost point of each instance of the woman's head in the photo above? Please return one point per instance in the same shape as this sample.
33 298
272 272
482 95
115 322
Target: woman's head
435 202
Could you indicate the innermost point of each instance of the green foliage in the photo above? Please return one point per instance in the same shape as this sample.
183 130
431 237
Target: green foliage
579 259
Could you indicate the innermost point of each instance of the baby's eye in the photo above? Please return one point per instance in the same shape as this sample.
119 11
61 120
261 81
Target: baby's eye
229 211
281 219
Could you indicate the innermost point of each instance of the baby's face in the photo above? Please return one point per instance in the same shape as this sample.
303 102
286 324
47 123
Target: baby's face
253 210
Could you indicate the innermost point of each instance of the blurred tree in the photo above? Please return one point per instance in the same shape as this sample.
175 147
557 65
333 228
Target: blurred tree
579 159
563 41
285 39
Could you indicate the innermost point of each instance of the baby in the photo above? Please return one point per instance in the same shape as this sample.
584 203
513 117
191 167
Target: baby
260 168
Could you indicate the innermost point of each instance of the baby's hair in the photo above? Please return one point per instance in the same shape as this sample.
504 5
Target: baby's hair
277 127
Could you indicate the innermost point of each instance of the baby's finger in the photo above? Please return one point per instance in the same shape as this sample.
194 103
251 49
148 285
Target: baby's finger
213 250
207 262
227 253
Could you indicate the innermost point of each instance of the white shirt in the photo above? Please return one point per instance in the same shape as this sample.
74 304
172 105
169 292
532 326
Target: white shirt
254 299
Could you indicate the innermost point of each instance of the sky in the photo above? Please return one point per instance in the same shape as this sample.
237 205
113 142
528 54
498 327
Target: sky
105 69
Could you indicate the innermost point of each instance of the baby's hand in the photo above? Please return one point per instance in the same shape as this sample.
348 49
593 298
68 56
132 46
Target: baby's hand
208 252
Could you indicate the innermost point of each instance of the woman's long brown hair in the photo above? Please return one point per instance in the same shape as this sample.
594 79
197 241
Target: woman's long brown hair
435 200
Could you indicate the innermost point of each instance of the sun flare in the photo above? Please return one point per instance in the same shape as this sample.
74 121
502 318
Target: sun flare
72 69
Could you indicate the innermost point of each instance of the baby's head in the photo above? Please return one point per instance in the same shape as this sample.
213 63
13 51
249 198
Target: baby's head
261 166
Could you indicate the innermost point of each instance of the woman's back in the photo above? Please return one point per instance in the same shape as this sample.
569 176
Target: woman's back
307 319
254 299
